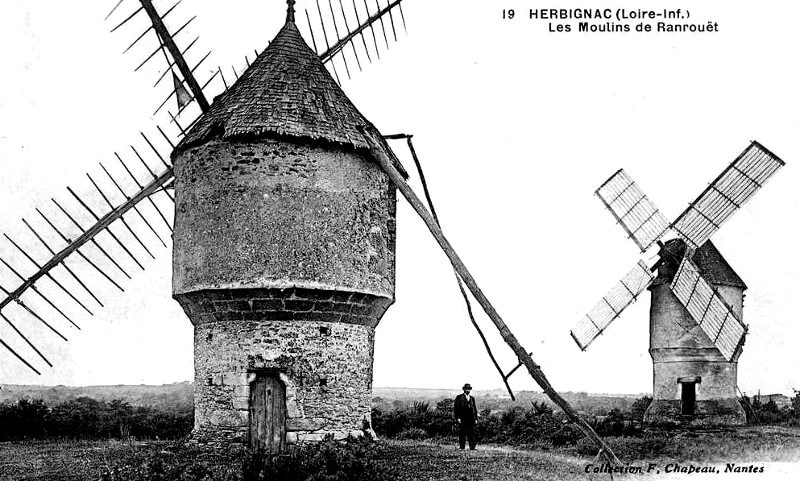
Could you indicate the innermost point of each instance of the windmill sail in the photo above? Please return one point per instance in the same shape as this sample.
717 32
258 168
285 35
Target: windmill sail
714 316
163 43
734 186
640 218
99 252
333 22
88 251
623 294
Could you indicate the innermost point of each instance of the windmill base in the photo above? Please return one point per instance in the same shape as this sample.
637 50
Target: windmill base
710 412
282 366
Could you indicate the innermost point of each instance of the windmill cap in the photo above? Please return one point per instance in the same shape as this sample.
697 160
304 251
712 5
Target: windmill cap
714 268
286 92
467 386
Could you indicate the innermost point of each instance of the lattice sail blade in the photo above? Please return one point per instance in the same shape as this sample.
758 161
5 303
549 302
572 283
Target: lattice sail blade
714 316
158 41
623 294
640 218
335 22
734 186
65 258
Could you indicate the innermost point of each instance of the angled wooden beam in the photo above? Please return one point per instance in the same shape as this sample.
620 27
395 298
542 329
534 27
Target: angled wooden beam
380 152
339 45
165 36
89 234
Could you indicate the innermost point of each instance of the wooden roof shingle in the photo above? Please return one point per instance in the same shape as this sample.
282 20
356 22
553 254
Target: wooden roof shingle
713 267
286 91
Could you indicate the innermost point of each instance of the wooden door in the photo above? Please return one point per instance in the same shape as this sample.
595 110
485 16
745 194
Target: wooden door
687 398
267 415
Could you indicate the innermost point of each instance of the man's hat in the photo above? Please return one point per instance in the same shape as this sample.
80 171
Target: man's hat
467 386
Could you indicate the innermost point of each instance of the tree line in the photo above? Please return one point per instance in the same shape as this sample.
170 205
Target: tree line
87 418
538 424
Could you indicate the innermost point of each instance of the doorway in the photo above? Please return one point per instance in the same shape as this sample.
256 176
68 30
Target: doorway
267 414
688 398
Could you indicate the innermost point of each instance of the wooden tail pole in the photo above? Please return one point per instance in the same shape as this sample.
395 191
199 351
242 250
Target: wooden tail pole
380 154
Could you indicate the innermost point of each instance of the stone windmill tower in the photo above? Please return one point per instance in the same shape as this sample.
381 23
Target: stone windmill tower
696 317
693 382
284 236
284 252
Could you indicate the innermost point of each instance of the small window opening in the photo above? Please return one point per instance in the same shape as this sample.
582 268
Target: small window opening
323 382
210 382
325 330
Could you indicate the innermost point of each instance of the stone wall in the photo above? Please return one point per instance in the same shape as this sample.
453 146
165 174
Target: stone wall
282 213
322 356
681 350
284 260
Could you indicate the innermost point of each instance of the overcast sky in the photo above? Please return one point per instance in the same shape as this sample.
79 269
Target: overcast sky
515 127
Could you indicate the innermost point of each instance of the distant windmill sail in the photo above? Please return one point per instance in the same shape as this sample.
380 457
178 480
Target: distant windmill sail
640 218
729 191
610 307
646 225
714 316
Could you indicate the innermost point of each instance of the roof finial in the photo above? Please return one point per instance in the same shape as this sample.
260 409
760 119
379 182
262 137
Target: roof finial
290 11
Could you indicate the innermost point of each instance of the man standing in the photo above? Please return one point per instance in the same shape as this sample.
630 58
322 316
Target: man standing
467 415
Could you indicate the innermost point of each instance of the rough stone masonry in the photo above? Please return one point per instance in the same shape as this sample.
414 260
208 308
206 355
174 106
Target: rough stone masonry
284 251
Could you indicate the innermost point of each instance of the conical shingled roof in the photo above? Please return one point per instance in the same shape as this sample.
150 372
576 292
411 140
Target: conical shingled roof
714 268
286 91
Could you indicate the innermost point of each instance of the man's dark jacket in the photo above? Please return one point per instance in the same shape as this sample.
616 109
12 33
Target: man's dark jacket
465 410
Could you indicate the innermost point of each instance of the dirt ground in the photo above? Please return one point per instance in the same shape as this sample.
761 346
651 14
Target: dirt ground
762 453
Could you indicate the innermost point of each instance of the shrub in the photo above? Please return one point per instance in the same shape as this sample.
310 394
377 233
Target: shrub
769 412
86 418
639 407
413 433
352 460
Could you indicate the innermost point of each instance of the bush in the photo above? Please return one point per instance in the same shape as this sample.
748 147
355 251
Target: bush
769 412
23 420
413 433
86 418
639 407
515 425
352 460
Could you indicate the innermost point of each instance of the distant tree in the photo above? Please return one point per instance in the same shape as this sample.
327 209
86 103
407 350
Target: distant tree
26 419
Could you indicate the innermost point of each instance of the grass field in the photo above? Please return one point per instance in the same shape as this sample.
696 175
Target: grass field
776 449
